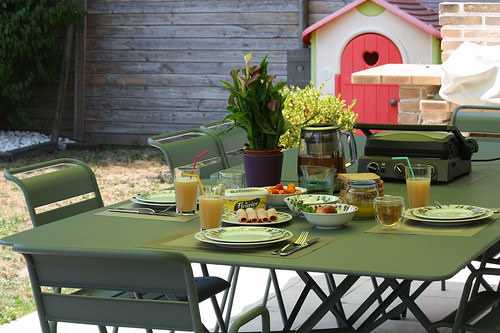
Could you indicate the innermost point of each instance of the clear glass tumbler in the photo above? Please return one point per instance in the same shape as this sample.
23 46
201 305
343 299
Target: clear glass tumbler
389 210
418 185
211 206
186 183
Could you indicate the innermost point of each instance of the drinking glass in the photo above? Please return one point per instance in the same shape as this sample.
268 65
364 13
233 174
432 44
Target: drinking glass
389 210
211 206
418 185
318 179
232 179
186 184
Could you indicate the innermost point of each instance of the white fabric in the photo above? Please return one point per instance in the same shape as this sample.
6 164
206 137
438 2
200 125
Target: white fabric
471 75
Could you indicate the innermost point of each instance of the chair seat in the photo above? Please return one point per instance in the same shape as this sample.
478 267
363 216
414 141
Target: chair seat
206 286
209 286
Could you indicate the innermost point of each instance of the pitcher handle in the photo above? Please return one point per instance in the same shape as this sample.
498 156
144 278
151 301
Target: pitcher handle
353 149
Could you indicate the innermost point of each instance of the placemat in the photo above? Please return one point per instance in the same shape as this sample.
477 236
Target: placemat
181 218
189 243
408 228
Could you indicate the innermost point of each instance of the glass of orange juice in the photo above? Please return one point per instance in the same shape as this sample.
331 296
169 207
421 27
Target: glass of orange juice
418 185
211 206
187 180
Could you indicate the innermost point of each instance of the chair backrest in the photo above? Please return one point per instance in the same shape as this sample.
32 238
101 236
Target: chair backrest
126 274
67 184
232 139
181 148
477 119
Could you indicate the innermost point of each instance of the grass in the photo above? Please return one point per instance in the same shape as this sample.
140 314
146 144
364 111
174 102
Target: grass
120 172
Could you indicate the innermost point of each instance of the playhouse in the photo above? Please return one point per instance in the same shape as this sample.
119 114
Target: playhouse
368 33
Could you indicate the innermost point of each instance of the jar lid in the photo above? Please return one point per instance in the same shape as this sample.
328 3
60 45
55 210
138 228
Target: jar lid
363 183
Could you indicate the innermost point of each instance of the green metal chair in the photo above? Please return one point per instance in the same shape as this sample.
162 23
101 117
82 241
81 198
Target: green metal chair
231 139
180 148
127 274
58 180
477 119
477 312
53 182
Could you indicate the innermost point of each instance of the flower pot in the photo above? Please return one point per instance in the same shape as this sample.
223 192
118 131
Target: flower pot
263 167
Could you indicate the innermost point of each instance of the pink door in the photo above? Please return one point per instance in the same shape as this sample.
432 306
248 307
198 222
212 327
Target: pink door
376 103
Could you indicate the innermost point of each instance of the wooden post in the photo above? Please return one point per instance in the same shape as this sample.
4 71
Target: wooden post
63 84
303 19
79 105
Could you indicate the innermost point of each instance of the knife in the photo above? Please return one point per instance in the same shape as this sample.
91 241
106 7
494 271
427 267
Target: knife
299 247
142 211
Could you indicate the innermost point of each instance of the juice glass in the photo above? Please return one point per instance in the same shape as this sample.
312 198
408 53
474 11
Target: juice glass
418 185
389 210
186 184
211 206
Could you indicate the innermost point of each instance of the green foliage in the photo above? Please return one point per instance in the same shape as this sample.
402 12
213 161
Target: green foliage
30 51
255 104
307 106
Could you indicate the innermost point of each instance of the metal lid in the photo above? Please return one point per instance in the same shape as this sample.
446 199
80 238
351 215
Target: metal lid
321 127
363 184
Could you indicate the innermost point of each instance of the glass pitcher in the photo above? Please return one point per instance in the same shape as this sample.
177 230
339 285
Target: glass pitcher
322 154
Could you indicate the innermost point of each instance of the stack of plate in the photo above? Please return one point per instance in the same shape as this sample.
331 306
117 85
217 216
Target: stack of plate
160 199
243 237
448 215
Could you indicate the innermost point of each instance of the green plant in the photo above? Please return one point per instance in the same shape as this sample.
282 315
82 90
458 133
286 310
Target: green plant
30 49
308 106
255 104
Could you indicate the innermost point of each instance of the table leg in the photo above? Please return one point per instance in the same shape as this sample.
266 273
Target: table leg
409 302
328 303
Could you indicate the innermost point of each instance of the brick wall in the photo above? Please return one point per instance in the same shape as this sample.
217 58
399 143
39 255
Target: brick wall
475 22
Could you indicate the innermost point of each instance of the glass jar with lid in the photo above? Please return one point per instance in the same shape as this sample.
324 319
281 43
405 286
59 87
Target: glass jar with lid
362 194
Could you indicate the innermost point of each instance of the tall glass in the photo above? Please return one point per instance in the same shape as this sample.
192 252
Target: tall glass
186 184
211 206
418 185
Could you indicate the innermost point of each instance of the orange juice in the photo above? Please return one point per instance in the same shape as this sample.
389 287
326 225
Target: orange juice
186 189
211 208
419 191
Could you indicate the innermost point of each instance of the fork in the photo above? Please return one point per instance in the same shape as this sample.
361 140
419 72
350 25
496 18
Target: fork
301 240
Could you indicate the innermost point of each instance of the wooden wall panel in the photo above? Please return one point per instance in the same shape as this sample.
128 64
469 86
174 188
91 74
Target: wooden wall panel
156 65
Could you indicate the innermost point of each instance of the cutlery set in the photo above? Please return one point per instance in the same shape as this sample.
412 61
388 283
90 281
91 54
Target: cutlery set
302 242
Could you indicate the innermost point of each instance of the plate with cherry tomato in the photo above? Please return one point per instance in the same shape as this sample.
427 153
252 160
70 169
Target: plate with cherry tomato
278 193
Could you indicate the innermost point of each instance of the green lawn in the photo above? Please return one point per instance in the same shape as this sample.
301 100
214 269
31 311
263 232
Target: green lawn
120 172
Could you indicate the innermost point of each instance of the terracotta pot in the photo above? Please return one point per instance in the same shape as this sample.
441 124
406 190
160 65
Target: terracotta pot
263 167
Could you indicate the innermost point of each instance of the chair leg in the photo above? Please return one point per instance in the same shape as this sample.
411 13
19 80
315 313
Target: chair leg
232 291
138 296
53 326
115 329
102 329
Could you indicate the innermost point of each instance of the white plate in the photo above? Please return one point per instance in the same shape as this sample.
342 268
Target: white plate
201 237
166 196
243 234
134 200
409 215
449 212
231 218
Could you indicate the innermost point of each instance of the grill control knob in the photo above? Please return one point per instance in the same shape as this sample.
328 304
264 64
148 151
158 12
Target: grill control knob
399 169
373 167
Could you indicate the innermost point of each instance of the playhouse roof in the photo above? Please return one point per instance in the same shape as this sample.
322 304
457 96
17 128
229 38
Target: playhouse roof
412 11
